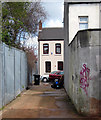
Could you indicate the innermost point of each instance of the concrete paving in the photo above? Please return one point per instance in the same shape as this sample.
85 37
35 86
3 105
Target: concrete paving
42 101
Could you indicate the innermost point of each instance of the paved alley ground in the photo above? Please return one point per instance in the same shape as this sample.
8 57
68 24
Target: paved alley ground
42 101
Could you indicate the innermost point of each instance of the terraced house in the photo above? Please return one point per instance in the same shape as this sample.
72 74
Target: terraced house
51 49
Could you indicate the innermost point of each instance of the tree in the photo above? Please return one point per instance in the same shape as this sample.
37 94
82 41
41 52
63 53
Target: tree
31 61
19 19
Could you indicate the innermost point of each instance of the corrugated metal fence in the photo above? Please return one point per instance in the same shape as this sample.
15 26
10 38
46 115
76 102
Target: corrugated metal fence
13 73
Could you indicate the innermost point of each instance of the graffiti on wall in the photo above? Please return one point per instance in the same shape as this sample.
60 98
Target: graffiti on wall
84 78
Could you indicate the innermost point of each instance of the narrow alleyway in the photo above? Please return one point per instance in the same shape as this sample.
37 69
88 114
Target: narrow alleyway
41 102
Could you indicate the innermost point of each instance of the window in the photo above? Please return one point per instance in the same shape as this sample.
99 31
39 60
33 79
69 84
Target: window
60 65
60 73
45 48
58 48
83 22
48 66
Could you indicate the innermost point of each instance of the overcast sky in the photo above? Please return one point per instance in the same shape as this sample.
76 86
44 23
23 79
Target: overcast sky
55 11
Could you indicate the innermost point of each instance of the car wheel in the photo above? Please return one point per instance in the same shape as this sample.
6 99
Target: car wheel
44 79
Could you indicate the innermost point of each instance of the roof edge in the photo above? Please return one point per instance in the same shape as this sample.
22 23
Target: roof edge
50 40
86 30
82 2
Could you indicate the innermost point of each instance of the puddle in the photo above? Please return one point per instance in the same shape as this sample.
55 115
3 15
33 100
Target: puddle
53 93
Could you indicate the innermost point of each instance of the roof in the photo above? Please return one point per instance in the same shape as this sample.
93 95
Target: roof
82 0
51 34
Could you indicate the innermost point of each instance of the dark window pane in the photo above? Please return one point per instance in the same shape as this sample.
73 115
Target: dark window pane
58 48
60 65
45 49
48 66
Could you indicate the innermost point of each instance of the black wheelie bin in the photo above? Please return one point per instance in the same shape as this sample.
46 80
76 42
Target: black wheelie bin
36 79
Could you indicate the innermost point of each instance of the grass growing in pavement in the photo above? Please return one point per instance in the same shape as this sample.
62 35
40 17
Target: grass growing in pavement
22 86
18 95
2 108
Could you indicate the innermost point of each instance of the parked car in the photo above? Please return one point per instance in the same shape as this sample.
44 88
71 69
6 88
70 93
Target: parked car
55 75
51 75
45 78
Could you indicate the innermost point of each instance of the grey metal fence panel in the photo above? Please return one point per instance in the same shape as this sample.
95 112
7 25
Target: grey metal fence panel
13 73
1 73
9 74
17 72
23 67
26 69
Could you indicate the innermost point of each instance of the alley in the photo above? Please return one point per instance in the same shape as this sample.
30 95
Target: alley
41 101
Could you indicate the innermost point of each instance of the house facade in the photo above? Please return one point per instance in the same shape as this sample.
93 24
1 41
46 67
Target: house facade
51 50
80 15
82 41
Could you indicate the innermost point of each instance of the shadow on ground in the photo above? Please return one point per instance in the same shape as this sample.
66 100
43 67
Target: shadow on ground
42 101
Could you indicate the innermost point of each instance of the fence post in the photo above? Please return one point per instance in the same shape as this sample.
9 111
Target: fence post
20 71
14 75
4 83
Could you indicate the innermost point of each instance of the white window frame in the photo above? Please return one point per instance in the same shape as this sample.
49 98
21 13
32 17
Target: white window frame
81 22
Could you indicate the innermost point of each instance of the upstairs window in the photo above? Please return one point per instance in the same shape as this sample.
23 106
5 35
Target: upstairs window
83 22
45 48
58 48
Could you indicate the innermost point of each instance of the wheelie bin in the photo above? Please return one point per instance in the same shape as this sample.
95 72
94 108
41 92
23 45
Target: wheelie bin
36 79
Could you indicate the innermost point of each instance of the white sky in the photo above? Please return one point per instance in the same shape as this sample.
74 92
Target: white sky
55 15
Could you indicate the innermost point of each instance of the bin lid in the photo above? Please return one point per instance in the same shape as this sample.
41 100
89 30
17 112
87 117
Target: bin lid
36 75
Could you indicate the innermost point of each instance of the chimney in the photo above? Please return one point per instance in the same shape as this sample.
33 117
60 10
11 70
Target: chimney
40 26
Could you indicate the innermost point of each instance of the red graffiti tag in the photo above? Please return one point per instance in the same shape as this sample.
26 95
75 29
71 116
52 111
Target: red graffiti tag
84 78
